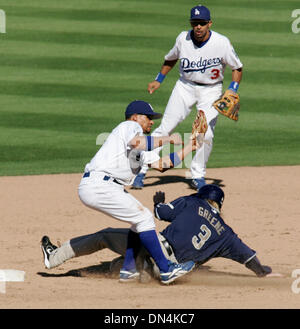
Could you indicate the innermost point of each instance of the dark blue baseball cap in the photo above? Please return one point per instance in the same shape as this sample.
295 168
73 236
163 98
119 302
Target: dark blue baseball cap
200 13
212 192
141 107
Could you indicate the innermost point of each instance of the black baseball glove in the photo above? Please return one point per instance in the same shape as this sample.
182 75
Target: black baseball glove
158 197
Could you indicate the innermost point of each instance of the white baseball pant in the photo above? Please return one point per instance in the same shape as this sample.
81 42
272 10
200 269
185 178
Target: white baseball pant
112 199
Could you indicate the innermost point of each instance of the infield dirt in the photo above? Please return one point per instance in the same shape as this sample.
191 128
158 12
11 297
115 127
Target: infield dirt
262 205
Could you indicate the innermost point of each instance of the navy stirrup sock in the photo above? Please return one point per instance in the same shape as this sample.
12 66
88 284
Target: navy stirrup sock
133 247
150 241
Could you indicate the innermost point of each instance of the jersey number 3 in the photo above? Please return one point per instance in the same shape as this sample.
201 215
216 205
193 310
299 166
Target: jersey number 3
215 73
199 240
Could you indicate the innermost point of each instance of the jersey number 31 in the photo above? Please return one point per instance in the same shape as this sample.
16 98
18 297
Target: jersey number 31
200 239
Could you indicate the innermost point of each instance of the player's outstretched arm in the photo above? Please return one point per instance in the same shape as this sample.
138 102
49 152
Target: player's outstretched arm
174 159
199 129
149 143
166 68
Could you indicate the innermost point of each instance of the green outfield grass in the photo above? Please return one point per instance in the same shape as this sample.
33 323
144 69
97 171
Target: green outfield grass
69 68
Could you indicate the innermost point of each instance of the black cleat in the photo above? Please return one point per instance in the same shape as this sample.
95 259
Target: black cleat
47 248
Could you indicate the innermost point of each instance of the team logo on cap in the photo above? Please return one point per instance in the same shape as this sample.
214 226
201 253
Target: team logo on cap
197 12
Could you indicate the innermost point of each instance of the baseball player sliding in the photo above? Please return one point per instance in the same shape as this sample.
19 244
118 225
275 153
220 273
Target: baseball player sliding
115 165
196 231
203 55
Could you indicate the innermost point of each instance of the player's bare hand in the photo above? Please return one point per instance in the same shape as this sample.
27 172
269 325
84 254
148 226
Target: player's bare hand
176 139
152 86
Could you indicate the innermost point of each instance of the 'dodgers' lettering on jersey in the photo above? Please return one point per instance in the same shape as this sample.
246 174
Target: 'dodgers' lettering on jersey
201 65
212 220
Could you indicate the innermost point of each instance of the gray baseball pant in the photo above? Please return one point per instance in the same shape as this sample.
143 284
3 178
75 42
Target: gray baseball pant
114 239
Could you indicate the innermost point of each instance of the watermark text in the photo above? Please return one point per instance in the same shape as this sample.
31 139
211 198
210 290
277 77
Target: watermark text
296 22
2 21
296 283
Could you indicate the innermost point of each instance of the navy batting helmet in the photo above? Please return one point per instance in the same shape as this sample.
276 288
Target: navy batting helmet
212 192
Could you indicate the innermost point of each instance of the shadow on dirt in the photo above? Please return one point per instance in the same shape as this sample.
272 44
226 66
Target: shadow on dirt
169 179
103 270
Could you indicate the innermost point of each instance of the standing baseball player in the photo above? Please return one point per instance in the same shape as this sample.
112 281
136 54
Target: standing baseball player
115 165
203 55
196 232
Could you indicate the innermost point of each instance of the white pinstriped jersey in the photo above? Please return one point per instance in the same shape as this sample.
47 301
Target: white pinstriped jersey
204 64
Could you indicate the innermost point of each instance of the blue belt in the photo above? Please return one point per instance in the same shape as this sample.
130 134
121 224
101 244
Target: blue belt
87 174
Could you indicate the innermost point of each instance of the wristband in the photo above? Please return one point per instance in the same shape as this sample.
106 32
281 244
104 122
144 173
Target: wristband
234 86
175 159
160 77
149 143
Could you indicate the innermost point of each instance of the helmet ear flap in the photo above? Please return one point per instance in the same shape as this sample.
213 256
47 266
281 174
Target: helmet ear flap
221 202
215 205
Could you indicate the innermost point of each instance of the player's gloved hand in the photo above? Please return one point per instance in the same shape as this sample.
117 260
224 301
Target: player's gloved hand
228 104
266 270
255 266
158 197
